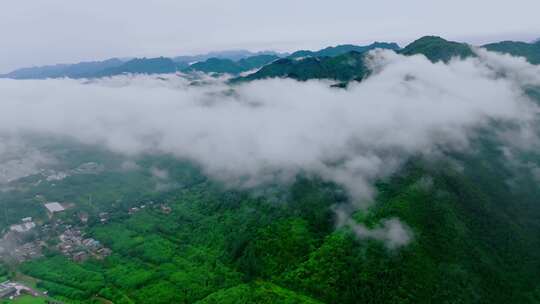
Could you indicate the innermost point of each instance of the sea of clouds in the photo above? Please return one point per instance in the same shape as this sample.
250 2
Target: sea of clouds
273 129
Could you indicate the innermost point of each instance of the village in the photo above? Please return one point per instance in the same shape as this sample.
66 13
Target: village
12 290
30 239
26 240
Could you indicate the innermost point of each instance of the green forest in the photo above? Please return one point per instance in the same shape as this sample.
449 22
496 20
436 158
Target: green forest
185 237
475 238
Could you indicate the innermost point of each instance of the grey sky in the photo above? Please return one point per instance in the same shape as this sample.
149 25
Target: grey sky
35 32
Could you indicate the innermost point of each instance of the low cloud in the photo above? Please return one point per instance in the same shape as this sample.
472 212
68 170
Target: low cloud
273 129
391 231
18 159
129 165
159 173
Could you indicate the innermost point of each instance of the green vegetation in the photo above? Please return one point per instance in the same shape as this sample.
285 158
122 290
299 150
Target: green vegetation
437 49
345 67
263 293
475 238
159 65
63 278
220 66
531 51
27 299
474 217
333 51
77 70
300 65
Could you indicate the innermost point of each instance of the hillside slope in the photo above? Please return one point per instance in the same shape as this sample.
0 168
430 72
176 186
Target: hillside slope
221 66
345 67
64 70
437 49
531 51
475 236
333 51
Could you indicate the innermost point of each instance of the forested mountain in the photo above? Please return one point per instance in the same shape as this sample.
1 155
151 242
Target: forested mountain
437 49
153 227
345 67
217 65
475 237
255 62
160 65
116 66
350 65
64 70
531 51
230 62
233 55
342 63
333 51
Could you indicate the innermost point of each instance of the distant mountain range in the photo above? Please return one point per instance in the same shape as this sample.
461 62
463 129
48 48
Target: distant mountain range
215 62
341 63
218 65
531 51
76 70
160 65
344 67
233 55
350 65
333 51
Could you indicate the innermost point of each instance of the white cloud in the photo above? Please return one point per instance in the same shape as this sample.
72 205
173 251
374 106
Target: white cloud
271 129
18 159
280 126
159 173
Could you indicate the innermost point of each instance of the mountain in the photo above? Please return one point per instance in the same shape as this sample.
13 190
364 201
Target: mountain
475 235
159 65
232 62
333 51
233 55
437 49
343 67
258 61
185 237
531 51
261 293
76 70
341 63
217 65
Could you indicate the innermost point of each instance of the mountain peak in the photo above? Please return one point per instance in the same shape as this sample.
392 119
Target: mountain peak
333 51
436 48
530 51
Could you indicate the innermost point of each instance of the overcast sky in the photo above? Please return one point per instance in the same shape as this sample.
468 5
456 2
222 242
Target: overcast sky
36 32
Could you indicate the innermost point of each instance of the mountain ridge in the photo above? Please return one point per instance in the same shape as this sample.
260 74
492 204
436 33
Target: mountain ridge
341 49
295 65
530 51
436 48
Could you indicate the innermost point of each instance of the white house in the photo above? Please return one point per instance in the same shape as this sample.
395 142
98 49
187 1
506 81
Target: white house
54 207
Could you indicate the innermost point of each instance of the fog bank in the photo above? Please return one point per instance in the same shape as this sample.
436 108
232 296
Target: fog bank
274 129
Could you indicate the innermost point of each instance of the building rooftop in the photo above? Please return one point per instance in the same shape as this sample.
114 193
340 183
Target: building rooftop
23 227
54 207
